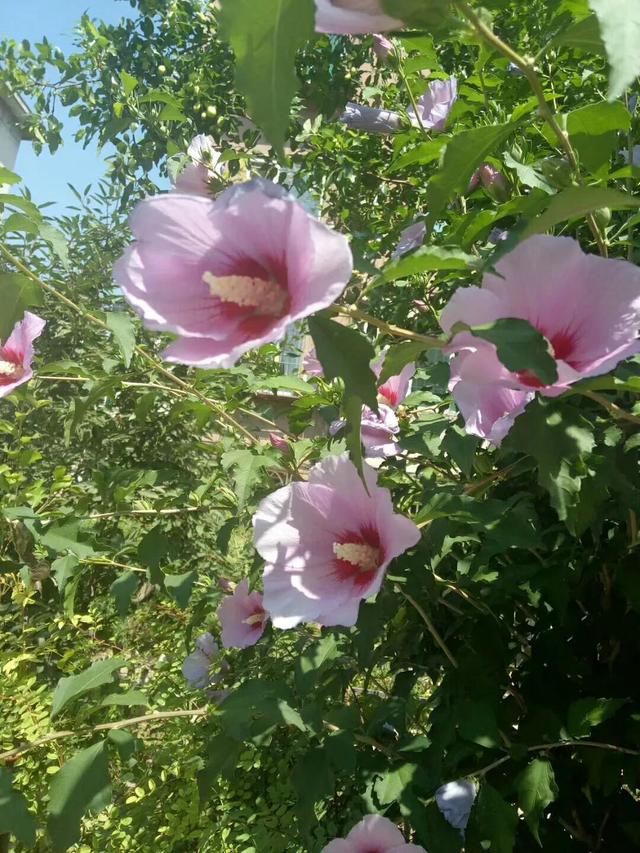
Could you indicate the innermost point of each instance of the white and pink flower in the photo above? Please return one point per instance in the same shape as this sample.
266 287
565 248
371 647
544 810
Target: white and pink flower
353 17
205 165
435 106
374 834
587 307
16 354
327 544
229 275
243 618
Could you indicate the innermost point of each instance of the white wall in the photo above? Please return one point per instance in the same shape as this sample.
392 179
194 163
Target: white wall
9 138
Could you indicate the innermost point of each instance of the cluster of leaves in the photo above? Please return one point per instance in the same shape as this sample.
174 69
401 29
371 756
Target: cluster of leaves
504 647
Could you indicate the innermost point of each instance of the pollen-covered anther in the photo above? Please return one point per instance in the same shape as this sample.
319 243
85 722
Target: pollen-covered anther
267 297
365 557
9 368
254 619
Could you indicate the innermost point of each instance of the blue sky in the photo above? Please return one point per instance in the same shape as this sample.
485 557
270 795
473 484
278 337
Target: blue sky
47 175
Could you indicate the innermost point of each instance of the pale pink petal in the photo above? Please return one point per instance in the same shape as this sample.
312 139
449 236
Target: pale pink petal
397 388
339 845
410 238
242 616
480 387
194 178
436 104
353 17
375 832
382 46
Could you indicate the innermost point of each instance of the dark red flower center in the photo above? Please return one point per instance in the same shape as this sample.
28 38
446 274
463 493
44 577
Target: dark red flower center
358 555
11 365
562 344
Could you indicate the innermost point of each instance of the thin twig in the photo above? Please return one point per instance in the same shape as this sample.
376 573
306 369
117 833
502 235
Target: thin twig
615 411
432 628
119 724
387 328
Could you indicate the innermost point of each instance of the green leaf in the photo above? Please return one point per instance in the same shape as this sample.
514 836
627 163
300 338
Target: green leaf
247 468
426 259
57 241
493 823
594 131
17 293
417 13
283 383
265 37
575 202
129 698
528 175
123 331
345 353
312 779
64 537
352 410
398 356
15 817
98 674
153 549
558 438
520 347
312 662
620 30
223 754
422 154
257 707
537 788
65 568
584 35
180 586
8 177
129 82
586 714
462 156
477 723
124 742
122 590
171 113
81 785
391 786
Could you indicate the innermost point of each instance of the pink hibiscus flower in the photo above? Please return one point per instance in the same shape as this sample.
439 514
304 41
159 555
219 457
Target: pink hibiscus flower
436 104
327 544
396 388
311 365
204 165
232 274
411 238
16 354
353 17
374 834
243 618
382 46
587 307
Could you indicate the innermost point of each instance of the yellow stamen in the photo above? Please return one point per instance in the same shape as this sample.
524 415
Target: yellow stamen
8 368
254 620
365 557
248 292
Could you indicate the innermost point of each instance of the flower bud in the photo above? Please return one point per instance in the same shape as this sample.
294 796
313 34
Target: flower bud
279 442
382 47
